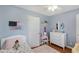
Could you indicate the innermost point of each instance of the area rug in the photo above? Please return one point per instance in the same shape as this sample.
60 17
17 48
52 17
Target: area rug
44 49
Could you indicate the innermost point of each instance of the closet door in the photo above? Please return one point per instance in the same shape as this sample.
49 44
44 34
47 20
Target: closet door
34 31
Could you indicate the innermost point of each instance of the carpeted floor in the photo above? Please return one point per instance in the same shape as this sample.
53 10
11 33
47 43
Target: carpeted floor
44 49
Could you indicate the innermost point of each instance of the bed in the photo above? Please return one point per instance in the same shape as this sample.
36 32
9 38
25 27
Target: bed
7 45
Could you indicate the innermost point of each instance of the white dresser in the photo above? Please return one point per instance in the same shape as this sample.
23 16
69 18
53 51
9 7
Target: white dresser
58 39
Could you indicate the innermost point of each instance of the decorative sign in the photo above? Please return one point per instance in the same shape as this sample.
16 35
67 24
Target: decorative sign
15 25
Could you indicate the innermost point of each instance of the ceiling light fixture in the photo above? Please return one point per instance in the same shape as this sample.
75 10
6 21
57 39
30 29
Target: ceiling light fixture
49 8
55 7
52 8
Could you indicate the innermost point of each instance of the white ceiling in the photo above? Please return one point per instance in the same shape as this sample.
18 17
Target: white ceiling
43 9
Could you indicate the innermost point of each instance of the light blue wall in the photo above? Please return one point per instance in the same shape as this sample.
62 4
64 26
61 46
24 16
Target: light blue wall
11 13
14 13
69 20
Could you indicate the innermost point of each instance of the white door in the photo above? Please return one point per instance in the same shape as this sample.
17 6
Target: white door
77 28
34 31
